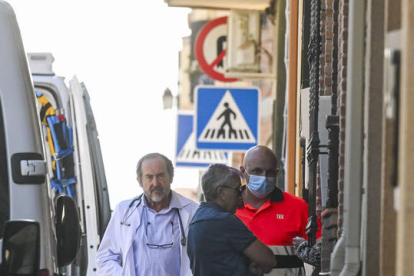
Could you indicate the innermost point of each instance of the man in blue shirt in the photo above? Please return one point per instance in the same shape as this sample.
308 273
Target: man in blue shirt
147 234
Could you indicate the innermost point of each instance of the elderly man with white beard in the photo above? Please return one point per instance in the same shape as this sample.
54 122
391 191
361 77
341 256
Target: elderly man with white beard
147 235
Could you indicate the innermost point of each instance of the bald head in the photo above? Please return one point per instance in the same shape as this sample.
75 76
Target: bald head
259 153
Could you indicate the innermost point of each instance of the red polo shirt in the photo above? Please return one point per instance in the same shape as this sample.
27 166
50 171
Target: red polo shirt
278 221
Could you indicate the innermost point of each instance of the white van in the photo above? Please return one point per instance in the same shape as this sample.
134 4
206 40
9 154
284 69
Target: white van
39 232
77 155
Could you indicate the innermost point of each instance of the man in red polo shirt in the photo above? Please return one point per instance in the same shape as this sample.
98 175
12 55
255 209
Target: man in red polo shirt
275 217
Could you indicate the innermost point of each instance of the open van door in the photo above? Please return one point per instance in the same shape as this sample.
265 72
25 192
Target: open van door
97 165
80 170
85 169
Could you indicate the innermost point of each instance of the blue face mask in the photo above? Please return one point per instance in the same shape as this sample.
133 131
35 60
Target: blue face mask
261 186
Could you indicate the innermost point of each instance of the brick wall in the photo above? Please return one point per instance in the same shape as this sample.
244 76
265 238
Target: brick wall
342 67
328 46
323 52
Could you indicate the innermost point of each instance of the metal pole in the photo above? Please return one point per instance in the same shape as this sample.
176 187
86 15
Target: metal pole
314 141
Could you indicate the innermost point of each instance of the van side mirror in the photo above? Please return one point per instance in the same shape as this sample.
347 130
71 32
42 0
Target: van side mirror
21 248
68 230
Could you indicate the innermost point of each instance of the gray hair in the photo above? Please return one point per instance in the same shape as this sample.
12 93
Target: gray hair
216 176
168 163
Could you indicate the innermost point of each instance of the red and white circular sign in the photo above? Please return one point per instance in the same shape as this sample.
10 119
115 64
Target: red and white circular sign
210 49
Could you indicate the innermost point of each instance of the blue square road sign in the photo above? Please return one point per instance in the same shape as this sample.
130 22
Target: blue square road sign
227 118
187 155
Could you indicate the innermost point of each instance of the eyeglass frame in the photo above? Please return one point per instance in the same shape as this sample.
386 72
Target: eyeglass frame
266 173
157 246
238 189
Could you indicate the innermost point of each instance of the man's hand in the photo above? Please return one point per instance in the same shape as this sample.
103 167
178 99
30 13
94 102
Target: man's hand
255 269
297 241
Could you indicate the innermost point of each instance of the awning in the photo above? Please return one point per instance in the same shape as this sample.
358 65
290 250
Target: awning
259 5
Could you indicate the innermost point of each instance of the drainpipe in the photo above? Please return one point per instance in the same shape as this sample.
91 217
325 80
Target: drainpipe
350 239
338 256
285 113
405 220
292 96
280 104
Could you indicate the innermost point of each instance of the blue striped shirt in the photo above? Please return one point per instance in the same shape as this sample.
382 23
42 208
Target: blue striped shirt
162 231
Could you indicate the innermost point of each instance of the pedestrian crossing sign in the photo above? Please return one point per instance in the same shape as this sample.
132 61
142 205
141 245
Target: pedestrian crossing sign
187 155
227 118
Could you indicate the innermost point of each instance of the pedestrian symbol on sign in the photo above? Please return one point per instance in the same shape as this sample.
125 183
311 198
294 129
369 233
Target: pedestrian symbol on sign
226 113
234 127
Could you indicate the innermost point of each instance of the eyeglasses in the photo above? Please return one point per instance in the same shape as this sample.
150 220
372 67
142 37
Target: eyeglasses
157 246
238 189
267 173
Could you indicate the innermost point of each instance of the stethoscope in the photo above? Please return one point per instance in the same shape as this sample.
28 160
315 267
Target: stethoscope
138 201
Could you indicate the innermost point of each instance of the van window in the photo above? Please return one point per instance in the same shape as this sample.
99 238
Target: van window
4 181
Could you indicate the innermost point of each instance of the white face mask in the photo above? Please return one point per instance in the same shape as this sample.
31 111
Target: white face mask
261 186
